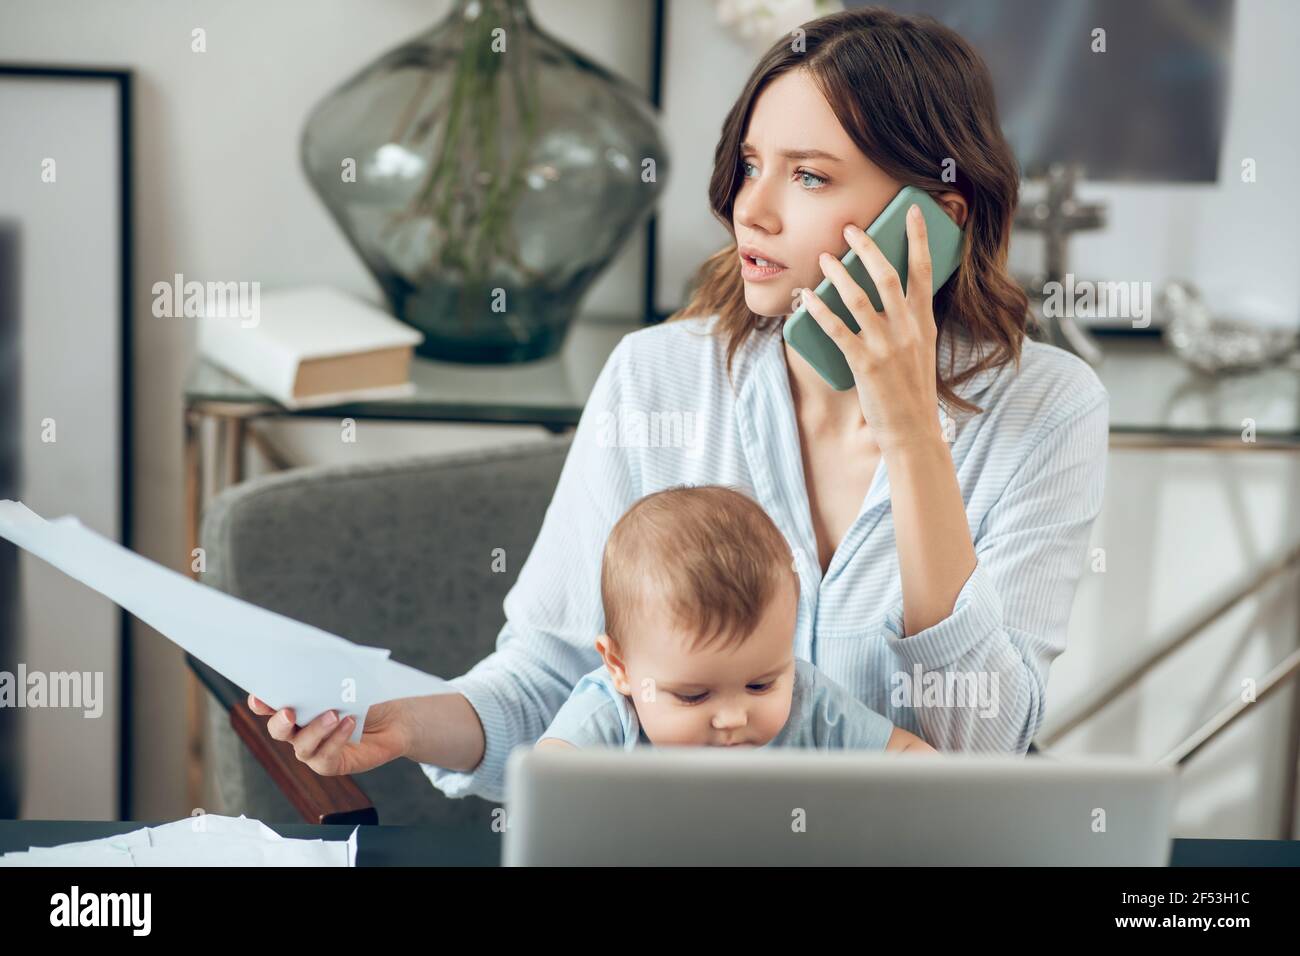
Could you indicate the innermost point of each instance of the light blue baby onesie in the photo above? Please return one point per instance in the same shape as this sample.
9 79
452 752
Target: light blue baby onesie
823 715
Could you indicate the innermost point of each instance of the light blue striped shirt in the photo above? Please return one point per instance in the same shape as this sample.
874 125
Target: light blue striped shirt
823 716
1031 468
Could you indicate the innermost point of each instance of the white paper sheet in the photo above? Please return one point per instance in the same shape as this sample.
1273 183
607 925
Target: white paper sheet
208 839
284 662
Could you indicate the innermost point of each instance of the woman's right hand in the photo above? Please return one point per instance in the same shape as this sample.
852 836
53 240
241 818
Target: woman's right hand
324 746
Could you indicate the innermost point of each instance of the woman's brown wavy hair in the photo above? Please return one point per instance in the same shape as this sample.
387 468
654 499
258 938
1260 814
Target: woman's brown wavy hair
911 93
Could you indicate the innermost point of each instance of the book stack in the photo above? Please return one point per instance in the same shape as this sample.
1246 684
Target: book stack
312 347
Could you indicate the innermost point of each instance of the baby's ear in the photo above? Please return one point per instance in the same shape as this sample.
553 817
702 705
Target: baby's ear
608 652
613 663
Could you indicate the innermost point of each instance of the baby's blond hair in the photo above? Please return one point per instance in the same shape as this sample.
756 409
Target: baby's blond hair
709 552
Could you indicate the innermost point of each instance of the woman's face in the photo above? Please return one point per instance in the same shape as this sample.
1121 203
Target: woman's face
795 207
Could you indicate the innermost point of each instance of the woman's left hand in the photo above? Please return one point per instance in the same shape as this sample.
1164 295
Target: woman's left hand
893 356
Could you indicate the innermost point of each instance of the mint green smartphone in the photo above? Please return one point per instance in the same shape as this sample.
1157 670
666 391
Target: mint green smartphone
890 233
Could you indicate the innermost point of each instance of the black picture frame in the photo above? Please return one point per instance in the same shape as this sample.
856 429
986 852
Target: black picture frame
122 80
650 313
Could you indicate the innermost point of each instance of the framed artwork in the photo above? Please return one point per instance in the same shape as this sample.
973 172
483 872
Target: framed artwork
700 68
65 443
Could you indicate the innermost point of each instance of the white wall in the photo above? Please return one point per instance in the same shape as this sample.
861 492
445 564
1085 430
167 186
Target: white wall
1236 240
70 427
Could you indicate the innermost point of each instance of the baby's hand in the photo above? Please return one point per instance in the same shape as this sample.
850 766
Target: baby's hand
903 740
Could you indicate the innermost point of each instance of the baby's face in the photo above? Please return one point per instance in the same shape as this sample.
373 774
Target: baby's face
711 697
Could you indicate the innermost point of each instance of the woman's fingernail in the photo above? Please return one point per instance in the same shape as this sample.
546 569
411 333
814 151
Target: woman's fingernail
824 258
914 211
850 231
331 718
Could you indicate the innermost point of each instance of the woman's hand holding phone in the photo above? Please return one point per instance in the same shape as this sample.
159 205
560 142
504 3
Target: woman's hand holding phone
323 744
892 356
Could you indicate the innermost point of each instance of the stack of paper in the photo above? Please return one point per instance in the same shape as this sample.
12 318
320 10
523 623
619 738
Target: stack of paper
207 839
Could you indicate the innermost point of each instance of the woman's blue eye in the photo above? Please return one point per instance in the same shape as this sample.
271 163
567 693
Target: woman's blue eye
803 175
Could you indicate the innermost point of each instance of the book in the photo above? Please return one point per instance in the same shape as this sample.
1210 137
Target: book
312 347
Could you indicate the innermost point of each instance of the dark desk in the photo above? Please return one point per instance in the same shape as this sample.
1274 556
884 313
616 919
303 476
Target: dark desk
458 846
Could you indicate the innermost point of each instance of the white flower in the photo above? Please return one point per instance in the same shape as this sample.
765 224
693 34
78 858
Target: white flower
763 22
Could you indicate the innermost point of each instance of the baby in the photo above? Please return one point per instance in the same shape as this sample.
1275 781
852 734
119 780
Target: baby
700 596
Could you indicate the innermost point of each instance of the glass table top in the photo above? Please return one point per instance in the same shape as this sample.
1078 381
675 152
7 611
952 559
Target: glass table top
550 391
1152 391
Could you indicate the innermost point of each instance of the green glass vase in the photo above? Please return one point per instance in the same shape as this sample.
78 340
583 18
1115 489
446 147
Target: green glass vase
486 173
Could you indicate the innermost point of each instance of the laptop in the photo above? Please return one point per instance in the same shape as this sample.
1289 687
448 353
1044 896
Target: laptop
703 806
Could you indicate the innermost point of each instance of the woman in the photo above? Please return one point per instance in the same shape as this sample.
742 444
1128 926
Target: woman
938 549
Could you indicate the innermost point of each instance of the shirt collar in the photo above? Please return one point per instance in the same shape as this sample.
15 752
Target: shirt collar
956 351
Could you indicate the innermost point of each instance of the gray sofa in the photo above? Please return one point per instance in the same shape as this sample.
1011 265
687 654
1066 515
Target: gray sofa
395 554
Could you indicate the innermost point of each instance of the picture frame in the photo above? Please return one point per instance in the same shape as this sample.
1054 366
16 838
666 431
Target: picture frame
66 199
699 68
